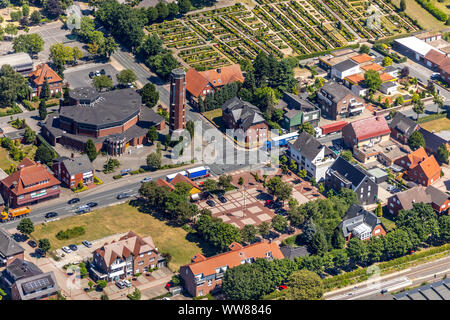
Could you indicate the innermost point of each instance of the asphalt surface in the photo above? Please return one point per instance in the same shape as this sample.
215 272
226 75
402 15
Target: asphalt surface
411 277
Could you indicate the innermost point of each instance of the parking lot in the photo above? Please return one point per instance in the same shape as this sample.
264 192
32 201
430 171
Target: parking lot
79 76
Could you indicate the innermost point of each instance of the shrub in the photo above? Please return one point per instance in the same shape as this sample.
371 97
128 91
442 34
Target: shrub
118 176
70 233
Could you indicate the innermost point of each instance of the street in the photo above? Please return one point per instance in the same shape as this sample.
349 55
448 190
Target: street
410 277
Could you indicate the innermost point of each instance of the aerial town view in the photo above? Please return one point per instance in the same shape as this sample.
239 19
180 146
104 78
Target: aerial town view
208 151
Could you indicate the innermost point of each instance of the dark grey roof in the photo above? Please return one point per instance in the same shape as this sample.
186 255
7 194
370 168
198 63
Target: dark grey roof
84 95
336 90
437 196
77 165
291 252
389 84
296 102
111 108
403 124
432 141
150 116
309 146
348 171
37 286
19 269
8 246
434 291
357 211
390 69
345 65
16 134
291 113
244 113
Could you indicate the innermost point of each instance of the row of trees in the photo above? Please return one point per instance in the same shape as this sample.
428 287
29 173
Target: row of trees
97 43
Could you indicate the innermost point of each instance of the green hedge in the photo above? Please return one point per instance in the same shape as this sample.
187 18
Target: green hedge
70 233
433 117
43 141
437 13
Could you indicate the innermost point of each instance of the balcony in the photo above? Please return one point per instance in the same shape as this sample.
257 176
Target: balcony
220 275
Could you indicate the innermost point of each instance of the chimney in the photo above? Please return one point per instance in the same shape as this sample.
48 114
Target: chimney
72 155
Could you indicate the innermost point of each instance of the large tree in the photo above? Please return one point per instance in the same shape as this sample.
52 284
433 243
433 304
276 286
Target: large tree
13 86
126 76
150 95
184 6
304 285
443 153
154 160
91 150
416 140
26 226
29 43
44 154
372 80
42 109
357 251
280 189
308 128
102 82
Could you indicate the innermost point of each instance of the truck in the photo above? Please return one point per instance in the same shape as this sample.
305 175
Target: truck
334 127
170 177
198 173
282 140
13 214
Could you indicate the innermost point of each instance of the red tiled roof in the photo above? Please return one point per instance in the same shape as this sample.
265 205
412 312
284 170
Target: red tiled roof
430 167
129 244
372 66
42 72
234 257
180 178
435 57
370 127
355 78
416 156
29 175
361 58
163 183
196 81
386 77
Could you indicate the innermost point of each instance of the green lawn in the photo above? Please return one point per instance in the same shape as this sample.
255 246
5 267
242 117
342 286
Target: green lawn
122 218
425 19
437 125
216 117
4 159
388 223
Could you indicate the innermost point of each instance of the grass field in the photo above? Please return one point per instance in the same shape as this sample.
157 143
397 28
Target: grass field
216 117
122 218
425 19
6 161
437 125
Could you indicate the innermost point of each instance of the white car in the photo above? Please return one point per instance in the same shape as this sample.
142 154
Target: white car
147 179
127 283
66 249
165 298
97 73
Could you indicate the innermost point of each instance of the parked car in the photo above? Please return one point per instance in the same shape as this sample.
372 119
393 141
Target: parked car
123 195
40 252
92 204
120 284
222 199
127 283
74 200
210 203
383 291
49 215
146 179
66 249
83 209
282 287
168 285
102 71
97 73
73 247
91 74
86 243
32 244
206 195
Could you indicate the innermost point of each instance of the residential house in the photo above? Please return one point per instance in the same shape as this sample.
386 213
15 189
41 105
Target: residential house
361 223
204 275
420 168
402 127
434 59
298 110
311 155
342 174
337 101
389 87
239 114
73 171
369 131
433 141
344 69
404 200
180 178
37 78
30 184
9 249
23 280
130 255
439 200
291 252
200 83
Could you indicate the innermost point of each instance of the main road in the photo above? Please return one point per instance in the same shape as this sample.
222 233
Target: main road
414 276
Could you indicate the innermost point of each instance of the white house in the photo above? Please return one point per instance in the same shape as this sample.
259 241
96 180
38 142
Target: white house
311 155
344 69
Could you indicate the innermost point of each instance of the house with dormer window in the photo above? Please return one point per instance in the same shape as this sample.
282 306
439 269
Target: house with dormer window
38 77
204 275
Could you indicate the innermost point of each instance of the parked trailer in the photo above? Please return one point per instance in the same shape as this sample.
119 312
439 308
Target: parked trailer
282 140
330 128
198 173
169 177
15 214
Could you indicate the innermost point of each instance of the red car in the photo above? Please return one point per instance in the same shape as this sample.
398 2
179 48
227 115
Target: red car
282 287
168 285
268 202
